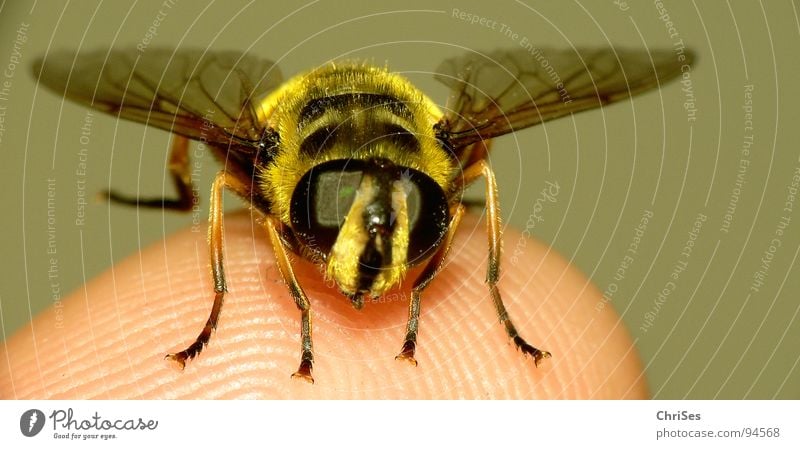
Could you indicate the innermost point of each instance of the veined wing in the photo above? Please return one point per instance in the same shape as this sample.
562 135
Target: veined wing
504 91
197 94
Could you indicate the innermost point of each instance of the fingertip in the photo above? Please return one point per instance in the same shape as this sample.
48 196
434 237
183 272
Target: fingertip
117 330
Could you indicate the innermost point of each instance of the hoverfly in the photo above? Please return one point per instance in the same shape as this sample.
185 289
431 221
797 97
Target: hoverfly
351 166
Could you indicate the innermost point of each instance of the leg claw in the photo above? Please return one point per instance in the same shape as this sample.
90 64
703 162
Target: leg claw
537 354
179 358
407 353
409 359
304 372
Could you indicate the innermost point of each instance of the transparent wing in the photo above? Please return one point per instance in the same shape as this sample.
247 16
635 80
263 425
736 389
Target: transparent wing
504 91
200 95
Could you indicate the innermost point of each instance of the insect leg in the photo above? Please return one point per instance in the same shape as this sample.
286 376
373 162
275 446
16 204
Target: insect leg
179 169
472 154
494 231
479 152
428 273
300 299
215 231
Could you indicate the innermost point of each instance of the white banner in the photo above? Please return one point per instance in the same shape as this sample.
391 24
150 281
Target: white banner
400 424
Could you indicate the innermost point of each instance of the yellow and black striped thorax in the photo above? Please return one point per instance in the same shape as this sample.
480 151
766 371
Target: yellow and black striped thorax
351 111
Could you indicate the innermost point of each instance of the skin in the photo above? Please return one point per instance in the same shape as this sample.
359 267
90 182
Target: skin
110 338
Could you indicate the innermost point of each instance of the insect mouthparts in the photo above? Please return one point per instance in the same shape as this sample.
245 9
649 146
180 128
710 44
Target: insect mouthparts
357 299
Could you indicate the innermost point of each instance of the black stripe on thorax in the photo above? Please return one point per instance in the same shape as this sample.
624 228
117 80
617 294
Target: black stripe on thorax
354 135
317 107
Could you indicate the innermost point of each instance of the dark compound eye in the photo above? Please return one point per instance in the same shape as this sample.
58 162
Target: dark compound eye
428 216
324 196
321 200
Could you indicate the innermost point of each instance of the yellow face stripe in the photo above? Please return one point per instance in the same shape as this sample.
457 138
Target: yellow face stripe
343 262
344 258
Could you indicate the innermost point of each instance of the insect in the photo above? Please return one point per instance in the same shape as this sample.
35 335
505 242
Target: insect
351 166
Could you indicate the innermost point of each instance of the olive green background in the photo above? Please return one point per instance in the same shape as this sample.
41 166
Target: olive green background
712 337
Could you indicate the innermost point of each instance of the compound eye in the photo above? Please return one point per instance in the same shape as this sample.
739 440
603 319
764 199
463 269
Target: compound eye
428 216
321 201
